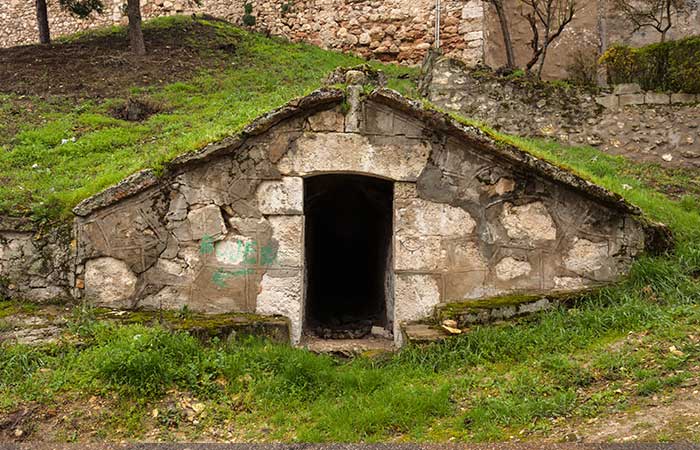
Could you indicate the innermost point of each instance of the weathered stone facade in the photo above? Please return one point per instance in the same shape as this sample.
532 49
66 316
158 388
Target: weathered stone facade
223 230
655 131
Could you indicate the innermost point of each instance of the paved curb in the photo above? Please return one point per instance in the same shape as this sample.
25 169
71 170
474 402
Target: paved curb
207 446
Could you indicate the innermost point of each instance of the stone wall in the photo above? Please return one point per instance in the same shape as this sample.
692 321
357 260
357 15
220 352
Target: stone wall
631 94
390 30
393 30
223 230
668 134
35 265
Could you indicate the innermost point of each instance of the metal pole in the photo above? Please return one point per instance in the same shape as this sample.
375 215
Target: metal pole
437 24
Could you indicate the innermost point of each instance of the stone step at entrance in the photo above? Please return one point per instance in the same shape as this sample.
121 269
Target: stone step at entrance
423 333
454 319
368 346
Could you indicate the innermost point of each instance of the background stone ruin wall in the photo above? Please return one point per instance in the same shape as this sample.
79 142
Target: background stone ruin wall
392 30
228 234
668 134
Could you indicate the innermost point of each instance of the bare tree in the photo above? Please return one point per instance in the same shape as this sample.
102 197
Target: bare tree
656 14
505 31
552 17
42 20
133 12
80 8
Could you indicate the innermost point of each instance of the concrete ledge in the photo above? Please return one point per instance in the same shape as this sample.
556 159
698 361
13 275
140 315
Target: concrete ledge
625 95
344 446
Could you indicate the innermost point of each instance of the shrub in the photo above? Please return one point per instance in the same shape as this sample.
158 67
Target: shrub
668 66
583 69
248 17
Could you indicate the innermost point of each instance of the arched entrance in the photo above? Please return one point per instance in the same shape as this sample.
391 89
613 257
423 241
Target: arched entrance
348 237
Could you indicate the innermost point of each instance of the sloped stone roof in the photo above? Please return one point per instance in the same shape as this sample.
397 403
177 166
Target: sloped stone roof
323 98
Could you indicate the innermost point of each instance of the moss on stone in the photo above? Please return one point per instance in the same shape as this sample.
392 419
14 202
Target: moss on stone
455 309
207 326
12 307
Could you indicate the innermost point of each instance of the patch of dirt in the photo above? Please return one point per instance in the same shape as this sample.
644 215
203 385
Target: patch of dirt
674 416
136 110
103 66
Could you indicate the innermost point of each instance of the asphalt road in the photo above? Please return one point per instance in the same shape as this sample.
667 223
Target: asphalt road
495 446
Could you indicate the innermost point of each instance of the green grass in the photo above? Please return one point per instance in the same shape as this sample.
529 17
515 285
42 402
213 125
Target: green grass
56 153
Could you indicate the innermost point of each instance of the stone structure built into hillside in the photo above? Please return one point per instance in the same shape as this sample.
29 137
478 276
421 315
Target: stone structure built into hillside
342 211
389 30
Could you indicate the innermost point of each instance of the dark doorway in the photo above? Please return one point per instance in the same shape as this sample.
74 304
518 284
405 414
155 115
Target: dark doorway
348 254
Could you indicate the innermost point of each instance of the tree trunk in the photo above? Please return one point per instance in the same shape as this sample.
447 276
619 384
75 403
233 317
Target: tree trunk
505 31
541 67
138 46
42 20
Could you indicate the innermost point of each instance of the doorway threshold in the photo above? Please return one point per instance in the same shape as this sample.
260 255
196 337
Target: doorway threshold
369 346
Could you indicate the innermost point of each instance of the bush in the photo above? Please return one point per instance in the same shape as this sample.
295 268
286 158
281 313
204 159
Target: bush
668 66
248 17
583 69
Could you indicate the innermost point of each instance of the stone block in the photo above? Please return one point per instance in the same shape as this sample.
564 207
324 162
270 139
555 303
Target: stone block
627 88
385 121
397 157
608 101
422 217
416 296
212 183
109 282
631 99
509 268
280 294
466 285
530 223
170 297
281 197
236 251
472 11
656 98
681 97
288 235
419 253
464 255
585 257
220 289
568 283
330 120
131 232
206 221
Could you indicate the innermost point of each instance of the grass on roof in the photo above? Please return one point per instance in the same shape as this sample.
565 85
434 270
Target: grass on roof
56 151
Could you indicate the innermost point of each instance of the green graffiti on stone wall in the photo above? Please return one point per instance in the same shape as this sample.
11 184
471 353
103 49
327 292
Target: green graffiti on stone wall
239 252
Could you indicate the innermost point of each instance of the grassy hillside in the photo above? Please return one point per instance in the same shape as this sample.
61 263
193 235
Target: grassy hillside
60 141
627 349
